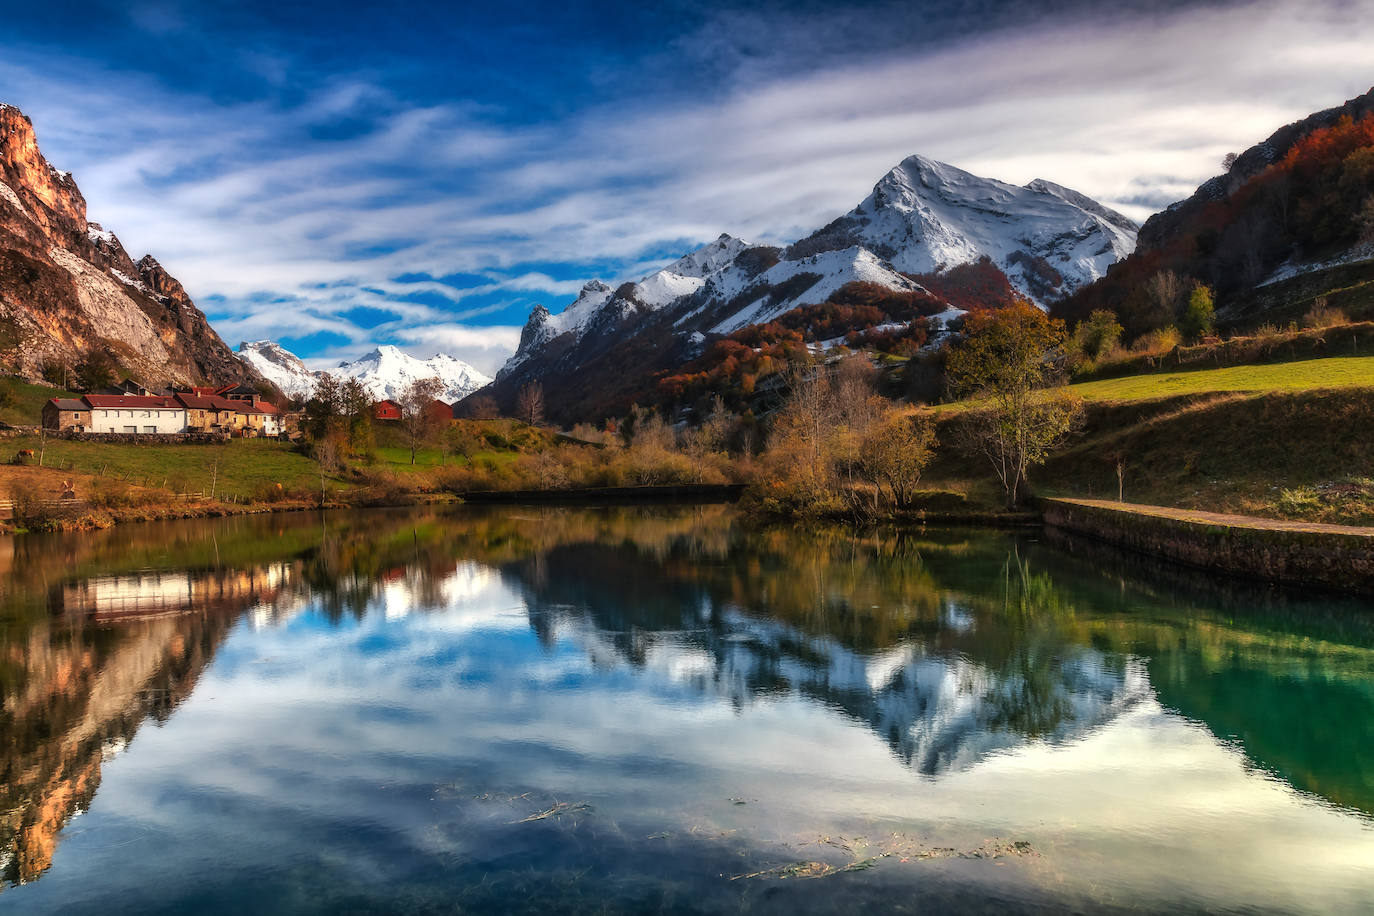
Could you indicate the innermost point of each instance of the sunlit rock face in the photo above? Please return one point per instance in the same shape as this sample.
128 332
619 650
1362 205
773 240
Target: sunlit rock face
68 287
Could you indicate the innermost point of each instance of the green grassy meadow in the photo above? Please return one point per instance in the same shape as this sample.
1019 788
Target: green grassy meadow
1305 375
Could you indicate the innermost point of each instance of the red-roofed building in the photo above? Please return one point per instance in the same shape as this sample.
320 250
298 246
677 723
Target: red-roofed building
209 413
135 414
386 410
437 412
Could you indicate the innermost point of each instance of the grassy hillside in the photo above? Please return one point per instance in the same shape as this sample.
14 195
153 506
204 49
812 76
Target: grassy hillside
23 402
239 468
1282 453
1307 375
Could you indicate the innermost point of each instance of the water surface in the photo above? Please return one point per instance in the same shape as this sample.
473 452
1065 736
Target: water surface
629 710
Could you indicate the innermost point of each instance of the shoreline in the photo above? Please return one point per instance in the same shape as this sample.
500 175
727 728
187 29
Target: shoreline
1258 549
1247 547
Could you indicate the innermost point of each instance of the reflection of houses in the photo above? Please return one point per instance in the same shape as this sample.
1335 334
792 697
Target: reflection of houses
151 594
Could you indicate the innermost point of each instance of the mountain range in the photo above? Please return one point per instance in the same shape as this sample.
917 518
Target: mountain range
923 220
68 288
386 372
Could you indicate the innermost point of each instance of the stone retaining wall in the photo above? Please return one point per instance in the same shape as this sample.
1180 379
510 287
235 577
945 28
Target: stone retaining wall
1313 555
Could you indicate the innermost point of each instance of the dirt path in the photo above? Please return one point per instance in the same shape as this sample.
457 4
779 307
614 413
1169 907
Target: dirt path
1220 518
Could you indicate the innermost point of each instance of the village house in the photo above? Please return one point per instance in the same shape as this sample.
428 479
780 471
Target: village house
67 413
163 415
439 412
386 410
135 414
255 419
209 413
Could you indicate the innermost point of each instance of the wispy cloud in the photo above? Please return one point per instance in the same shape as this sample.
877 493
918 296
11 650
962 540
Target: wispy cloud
285 219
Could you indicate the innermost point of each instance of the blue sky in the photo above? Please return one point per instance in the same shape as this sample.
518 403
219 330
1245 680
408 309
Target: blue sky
336 175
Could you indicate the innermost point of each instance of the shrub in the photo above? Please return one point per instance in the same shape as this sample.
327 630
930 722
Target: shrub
1158 342
1322 315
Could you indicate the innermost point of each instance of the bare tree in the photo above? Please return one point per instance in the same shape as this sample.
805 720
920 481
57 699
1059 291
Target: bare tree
1166 290
481 407
419 420
529 404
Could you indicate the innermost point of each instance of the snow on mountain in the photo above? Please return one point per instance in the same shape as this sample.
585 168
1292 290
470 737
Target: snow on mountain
385 372
922 217
831 270
279 366
925 216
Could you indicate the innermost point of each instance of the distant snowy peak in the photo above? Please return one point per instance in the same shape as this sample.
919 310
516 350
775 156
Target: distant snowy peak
925 216
600 306
385 372
707 259
279 366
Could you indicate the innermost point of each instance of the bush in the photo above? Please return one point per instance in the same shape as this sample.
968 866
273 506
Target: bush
1158 342
1322 315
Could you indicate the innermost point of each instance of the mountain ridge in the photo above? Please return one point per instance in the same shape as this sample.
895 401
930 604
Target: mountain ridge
922 217
69 289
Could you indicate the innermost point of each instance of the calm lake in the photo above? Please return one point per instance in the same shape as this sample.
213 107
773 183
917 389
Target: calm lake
666 710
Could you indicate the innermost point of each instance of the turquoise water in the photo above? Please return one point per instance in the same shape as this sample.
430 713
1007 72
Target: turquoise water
666 710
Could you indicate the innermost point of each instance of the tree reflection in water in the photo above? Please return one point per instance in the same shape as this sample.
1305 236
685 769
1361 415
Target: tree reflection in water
948 645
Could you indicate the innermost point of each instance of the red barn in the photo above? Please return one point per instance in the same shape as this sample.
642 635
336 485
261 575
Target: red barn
438 412
386 410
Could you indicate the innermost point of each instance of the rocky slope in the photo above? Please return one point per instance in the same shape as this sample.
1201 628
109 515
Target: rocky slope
1290 221
68 287
385 372
922 219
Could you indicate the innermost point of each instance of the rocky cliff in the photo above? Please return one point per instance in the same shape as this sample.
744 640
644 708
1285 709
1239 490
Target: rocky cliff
68 288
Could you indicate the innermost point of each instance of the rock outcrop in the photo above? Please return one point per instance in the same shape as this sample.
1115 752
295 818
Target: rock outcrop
68 288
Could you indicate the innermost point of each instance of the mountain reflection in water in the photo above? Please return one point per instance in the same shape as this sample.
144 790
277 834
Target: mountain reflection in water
950 647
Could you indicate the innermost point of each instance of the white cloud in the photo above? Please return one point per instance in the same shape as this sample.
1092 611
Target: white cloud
291 234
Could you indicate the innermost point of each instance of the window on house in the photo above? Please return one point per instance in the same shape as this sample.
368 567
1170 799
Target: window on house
150 429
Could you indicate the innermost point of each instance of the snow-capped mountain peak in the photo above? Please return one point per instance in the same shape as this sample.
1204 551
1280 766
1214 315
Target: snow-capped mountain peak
925 216
385 372
279 366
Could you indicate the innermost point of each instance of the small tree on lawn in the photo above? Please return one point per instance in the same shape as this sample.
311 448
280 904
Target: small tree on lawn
1007 361
419 422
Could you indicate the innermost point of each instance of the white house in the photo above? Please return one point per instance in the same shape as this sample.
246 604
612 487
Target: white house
150 415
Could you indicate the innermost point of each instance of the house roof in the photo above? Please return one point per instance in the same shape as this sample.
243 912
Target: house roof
68 404
208 402
130 400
